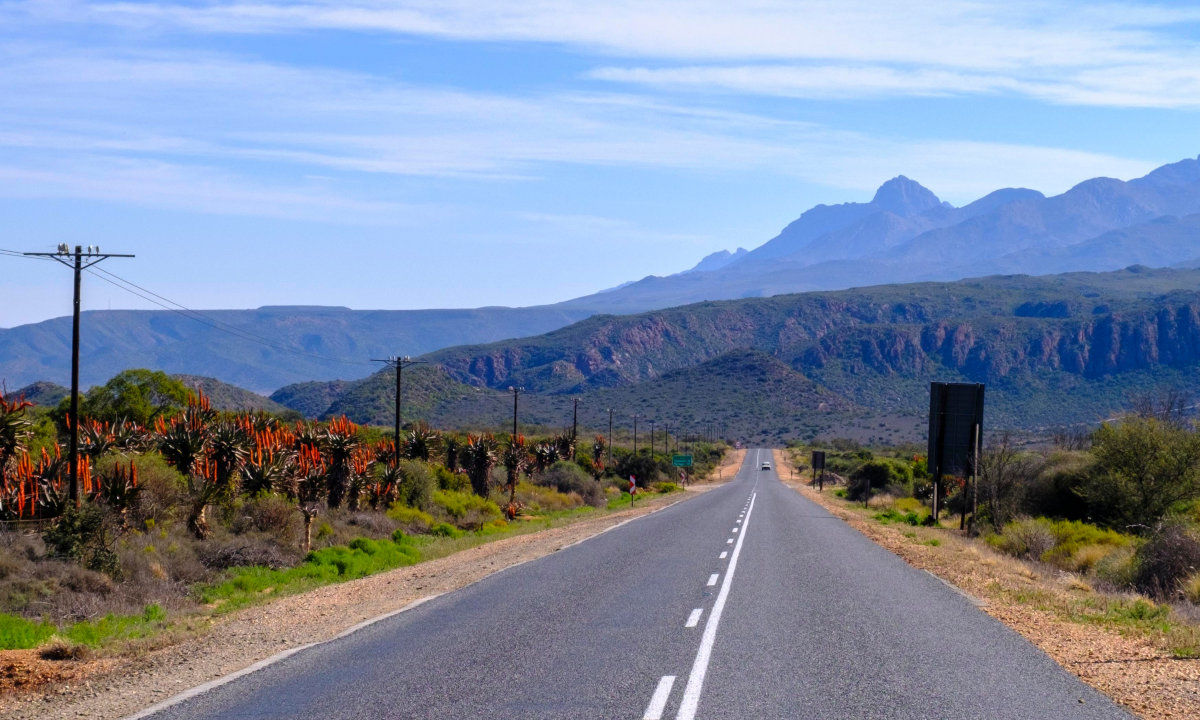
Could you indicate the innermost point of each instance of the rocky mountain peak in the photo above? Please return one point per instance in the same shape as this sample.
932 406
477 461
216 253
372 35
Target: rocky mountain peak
905 197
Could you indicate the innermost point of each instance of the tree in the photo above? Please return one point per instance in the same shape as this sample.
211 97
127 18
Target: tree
1005 477
1144 467
15 430
478 457
140 396
338 443
516 459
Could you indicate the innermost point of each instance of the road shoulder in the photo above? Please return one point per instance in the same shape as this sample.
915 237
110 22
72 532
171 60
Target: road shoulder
1132 671
239 640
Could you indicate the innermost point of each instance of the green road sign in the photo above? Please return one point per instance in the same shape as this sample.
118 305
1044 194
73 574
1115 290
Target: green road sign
681 460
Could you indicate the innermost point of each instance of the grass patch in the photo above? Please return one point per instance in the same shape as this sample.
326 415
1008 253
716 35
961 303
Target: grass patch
17 633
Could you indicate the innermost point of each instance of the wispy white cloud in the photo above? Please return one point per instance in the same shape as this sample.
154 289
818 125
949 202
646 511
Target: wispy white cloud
1116 53
210 131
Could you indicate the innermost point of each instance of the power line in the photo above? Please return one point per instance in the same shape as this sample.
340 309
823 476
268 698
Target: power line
184 311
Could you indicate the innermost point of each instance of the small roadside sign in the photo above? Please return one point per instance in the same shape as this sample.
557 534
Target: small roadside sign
681 460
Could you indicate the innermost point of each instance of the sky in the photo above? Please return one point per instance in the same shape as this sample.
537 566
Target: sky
459 153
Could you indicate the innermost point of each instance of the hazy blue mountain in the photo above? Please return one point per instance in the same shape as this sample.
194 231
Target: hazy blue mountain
717 260
904 233
259 349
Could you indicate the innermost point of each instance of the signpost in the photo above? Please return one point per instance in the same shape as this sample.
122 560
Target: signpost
681 461
818 464
955 435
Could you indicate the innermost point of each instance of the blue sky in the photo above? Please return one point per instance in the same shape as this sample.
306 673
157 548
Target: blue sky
471 152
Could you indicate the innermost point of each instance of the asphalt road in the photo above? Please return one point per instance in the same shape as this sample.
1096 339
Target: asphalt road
745 602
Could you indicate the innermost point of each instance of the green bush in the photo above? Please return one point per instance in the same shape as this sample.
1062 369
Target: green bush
451 480
1166 559
466 510
881 473
667 487
410 520
445 530
568 477
83 536
417 484
546 499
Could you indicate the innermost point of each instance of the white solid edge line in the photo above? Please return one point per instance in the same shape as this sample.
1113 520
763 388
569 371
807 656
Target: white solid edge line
695 684
694 618
265 662
200 689
724 554
658 702
712 579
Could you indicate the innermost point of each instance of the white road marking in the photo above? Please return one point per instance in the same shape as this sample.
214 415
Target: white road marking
712 579
724 554
694 618
658 702
735 530
695 684
729 541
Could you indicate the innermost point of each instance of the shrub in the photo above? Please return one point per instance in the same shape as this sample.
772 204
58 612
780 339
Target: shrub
1143 468
880 473
269 513
417 484
448 480
160 491
1079 545
83 536
410 520
1118 567
546 499
445 530
1191 588
1169 556
243 551
667 487
466 510
568 477
1026 538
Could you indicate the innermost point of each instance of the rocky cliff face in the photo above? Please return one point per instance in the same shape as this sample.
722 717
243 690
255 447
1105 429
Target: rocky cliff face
993 330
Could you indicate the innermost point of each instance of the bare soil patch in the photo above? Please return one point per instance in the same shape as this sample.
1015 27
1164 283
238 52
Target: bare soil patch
1136 671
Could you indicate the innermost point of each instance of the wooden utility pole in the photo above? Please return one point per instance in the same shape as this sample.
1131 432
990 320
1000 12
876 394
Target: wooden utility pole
79 260
399 363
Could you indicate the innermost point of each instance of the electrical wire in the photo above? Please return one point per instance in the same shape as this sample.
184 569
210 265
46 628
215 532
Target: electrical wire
184 311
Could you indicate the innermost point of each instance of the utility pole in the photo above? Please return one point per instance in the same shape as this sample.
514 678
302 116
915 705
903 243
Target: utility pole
399 363
574 428
515 391
635 419
610 437
79 260
651 436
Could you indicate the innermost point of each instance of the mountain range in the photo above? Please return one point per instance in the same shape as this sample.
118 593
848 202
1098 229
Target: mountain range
905 233
1053 350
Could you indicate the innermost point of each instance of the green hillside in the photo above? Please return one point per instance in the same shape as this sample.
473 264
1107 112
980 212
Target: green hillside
1053 350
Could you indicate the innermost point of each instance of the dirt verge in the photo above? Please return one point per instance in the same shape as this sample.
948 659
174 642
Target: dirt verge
117 687
1134 671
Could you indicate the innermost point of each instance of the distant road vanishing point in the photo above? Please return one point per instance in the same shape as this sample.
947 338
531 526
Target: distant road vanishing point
747 601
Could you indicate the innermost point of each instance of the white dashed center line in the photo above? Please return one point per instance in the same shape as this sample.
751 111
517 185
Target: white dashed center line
695 684
712 579
694 618
724 554
658 702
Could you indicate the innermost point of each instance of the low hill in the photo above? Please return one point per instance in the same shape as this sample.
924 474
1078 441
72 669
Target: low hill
43 393
224 396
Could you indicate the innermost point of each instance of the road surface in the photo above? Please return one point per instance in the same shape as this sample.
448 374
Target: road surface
747 601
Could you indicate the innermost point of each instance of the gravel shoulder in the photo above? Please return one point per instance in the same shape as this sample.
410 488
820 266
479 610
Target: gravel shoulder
117 687
1133 671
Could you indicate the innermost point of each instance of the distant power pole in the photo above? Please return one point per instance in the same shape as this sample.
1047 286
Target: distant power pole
79 260
635 419
574 428
515 391
610 437
399 363
651 436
